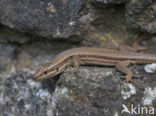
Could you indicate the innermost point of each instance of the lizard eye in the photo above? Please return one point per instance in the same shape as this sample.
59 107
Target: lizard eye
45 72
57 69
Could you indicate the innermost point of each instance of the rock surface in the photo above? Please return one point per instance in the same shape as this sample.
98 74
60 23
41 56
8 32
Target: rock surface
109 1
44 18
141 14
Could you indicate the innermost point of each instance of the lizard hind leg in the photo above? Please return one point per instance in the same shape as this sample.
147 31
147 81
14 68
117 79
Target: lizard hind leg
135 47
122 66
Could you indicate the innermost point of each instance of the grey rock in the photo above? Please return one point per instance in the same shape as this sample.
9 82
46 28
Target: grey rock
109 1
7 35
90 92
51 19
141 14
20 95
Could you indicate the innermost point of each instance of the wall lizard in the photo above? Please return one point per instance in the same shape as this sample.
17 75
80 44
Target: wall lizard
93 56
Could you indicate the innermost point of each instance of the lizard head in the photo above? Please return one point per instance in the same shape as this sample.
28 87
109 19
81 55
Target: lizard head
45 71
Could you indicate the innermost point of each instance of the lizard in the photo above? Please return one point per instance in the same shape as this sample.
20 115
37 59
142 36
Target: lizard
93 56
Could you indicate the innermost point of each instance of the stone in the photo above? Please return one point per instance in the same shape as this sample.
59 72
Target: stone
140 14
109 1
50 19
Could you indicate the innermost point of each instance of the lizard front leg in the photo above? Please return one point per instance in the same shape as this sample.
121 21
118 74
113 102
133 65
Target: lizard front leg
73 64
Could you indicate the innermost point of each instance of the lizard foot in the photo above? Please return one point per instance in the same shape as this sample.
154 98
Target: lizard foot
129 79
